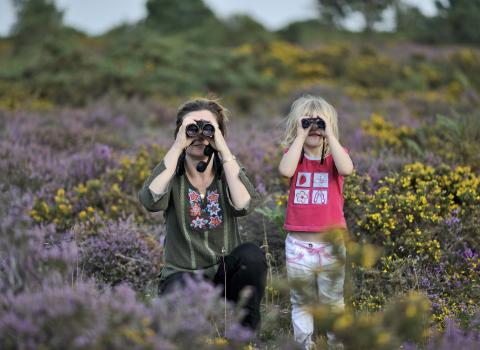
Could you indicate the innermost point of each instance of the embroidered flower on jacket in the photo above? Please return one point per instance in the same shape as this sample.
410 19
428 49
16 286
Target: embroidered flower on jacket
195 209
193 195
204 214
214 221
213 208
213 196
198 222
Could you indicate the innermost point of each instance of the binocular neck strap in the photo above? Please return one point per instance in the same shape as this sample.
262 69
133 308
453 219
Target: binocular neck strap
202 165
323 151
180 170
322 160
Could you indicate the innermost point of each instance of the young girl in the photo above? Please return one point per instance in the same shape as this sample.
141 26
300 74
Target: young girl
316 163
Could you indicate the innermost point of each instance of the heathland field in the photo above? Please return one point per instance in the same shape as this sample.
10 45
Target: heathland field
84 119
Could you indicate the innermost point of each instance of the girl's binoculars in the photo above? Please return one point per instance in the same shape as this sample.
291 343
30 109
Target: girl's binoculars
319 122
201 127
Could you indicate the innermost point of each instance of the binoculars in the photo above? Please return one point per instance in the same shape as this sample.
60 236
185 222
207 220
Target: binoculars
316 121
201 127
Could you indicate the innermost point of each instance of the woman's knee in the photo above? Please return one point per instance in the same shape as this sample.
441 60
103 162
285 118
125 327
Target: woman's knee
250 254
172 282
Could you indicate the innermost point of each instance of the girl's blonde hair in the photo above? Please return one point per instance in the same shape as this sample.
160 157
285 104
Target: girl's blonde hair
310 106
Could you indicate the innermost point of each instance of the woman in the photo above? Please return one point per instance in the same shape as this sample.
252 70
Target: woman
202 197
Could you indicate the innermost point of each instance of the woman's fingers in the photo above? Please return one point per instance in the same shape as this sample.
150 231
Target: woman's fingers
183 140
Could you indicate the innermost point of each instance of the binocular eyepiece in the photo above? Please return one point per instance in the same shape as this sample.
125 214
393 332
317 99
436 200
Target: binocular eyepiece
319 122
201 127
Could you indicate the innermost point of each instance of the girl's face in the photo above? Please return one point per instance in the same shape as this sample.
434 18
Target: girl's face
195 150
315 135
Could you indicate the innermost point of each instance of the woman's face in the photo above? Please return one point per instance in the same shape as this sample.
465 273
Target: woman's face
315 136
195 150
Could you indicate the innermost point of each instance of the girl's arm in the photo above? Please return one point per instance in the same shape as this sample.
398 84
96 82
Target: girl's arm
290 160
342 160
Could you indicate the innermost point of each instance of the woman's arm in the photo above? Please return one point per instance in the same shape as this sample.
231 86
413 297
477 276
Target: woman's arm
154 194
160 182
239 194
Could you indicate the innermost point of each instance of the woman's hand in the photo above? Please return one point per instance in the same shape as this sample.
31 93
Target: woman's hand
218 141
182 141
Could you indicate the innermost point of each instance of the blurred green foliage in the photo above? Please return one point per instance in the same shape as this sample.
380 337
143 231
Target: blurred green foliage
417 196
183 49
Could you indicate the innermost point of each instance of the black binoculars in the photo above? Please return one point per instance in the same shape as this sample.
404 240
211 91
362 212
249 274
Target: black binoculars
200 127
316 121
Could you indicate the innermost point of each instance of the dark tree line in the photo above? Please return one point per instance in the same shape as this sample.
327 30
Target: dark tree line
455 20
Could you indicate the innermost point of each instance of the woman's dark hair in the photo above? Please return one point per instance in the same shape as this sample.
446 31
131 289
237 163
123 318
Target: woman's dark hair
203 104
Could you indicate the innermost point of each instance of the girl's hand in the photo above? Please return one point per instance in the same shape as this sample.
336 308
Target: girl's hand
182 141
328 132
301 132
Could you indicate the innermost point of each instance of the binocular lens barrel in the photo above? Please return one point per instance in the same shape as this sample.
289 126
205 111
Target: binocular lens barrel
318 121
305 123
204 128
208 130
192 130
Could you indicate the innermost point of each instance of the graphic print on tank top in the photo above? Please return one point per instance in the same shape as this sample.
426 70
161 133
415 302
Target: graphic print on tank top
311 188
